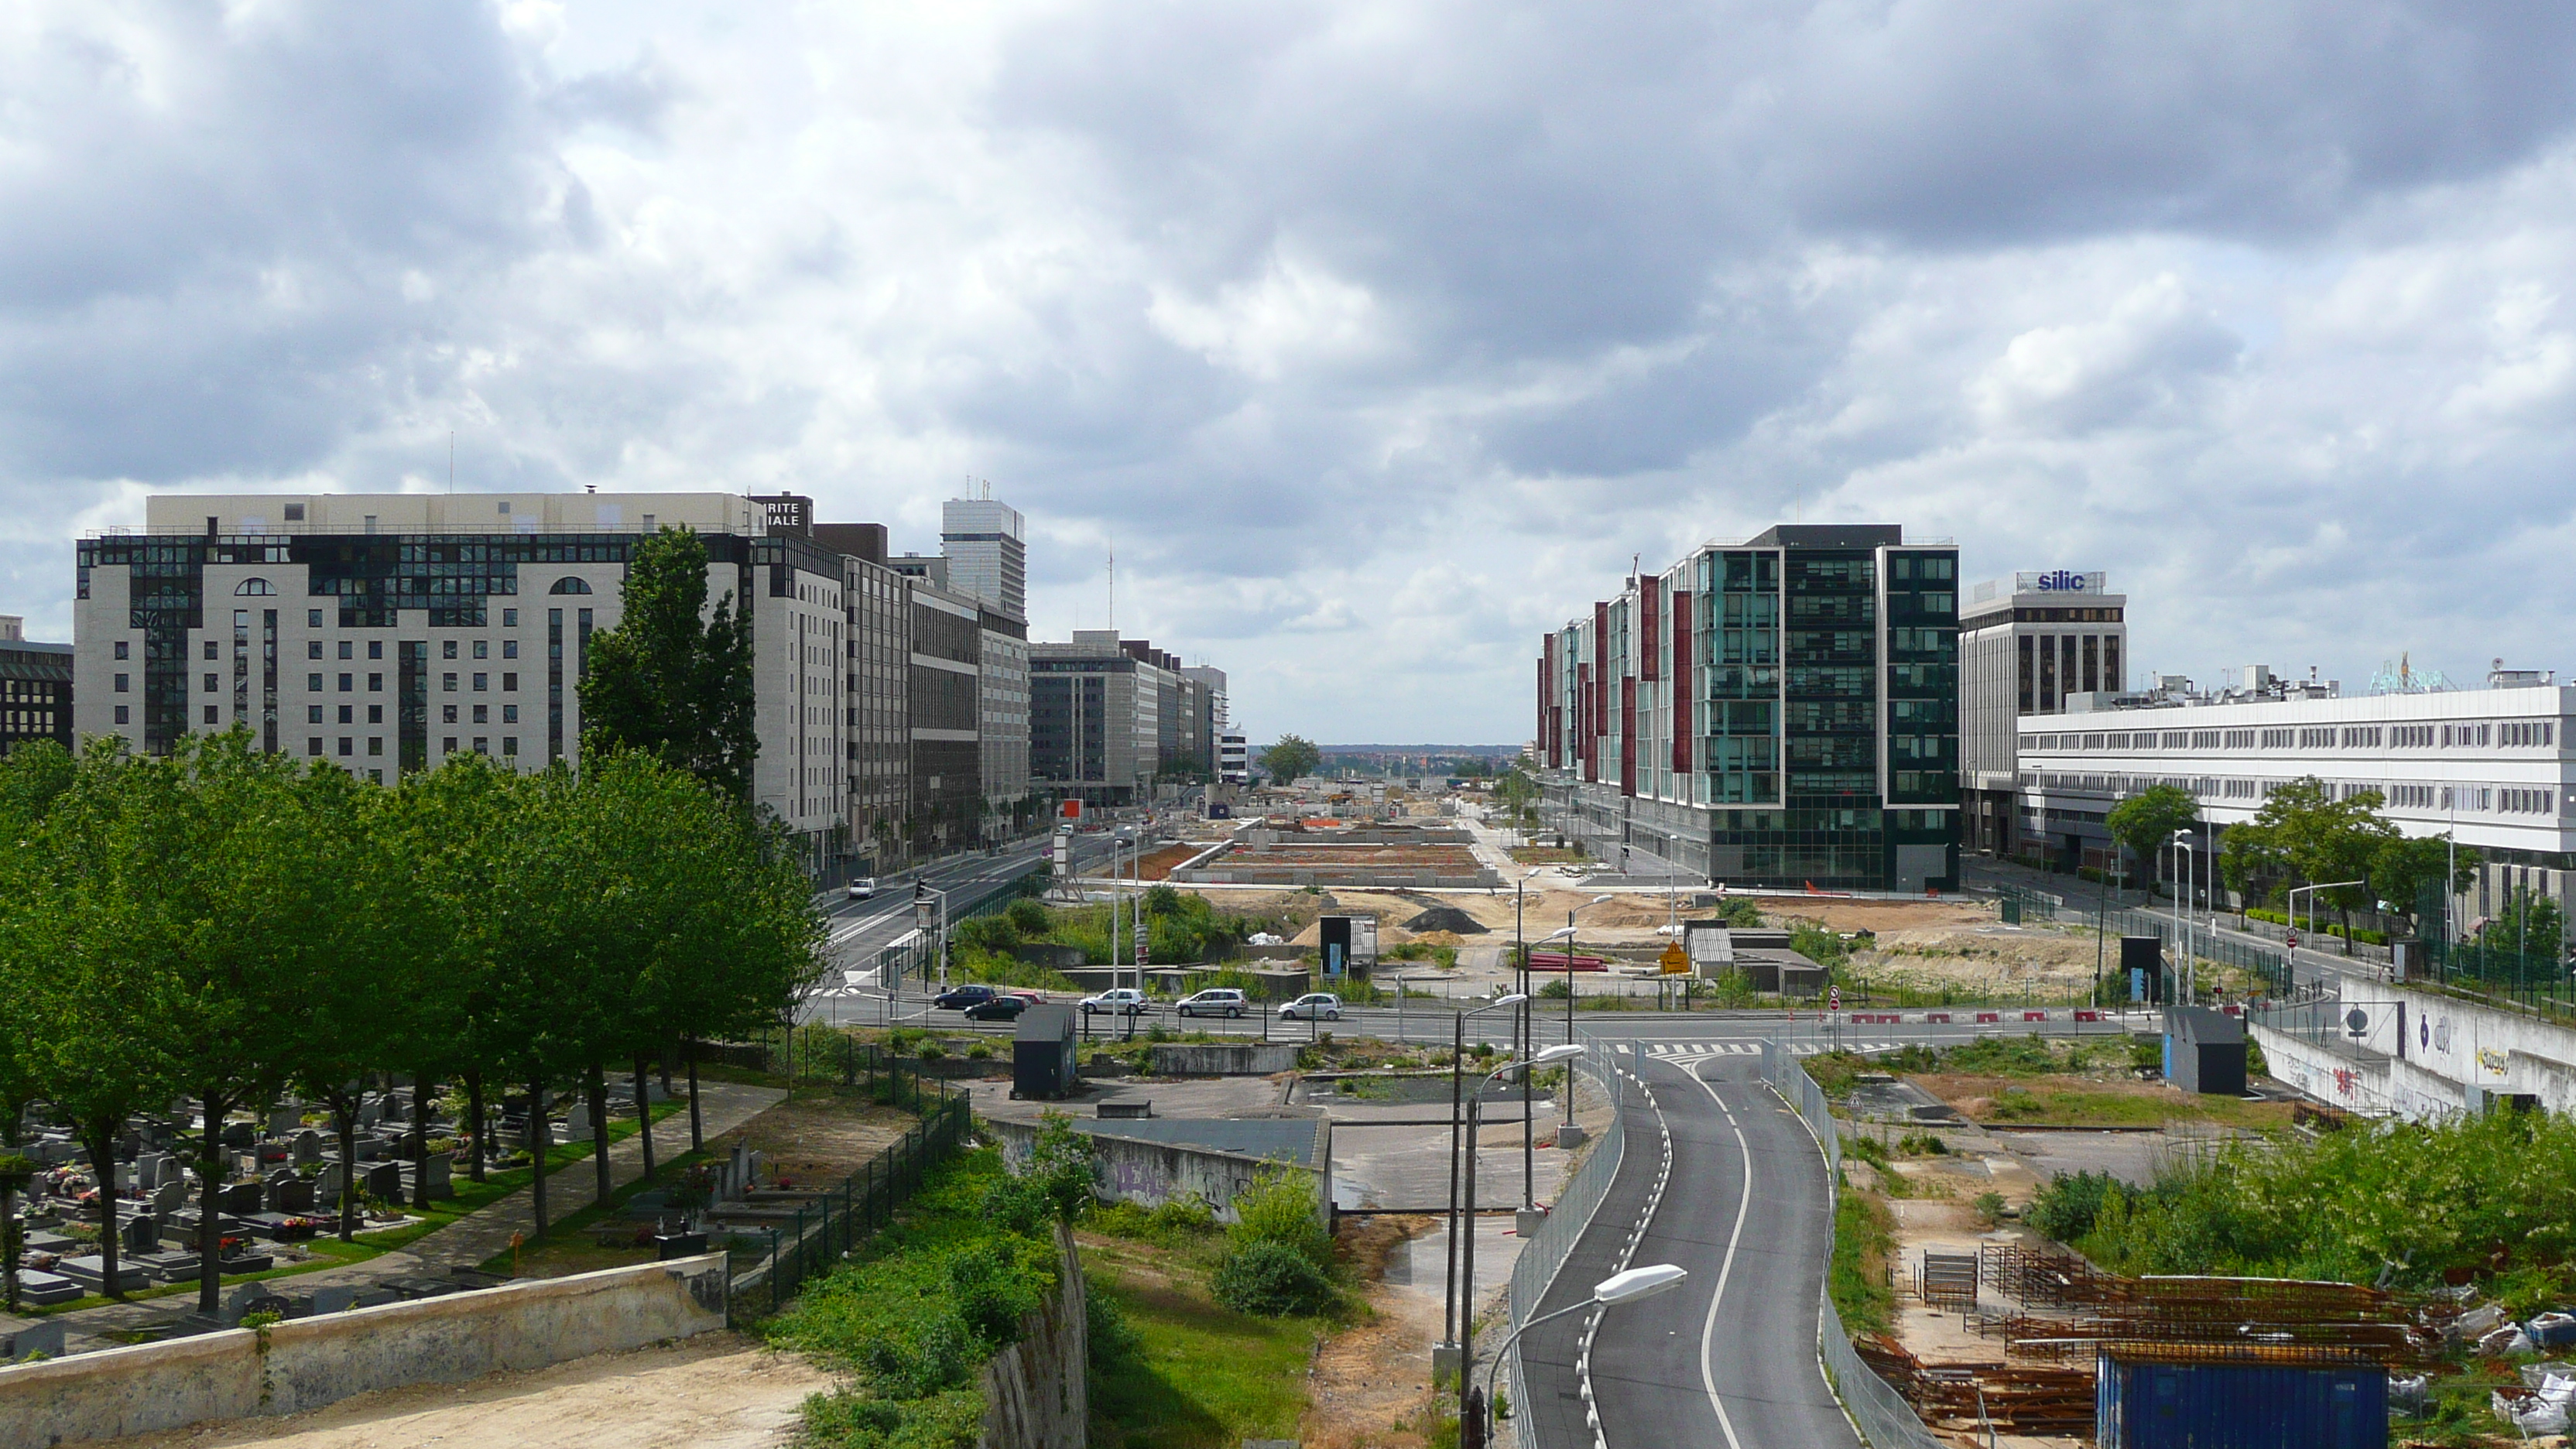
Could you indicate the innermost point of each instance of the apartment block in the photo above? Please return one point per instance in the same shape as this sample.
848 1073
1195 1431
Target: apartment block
1778 712
2039 642
35 688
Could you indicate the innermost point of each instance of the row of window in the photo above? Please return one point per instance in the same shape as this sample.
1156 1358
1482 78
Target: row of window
2447 799
375 746
2528 734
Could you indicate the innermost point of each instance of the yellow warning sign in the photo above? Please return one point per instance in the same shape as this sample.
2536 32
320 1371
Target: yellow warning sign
1676 961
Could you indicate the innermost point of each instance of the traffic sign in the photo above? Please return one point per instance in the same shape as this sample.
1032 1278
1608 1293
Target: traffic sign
1833 998
1675 960
2292 940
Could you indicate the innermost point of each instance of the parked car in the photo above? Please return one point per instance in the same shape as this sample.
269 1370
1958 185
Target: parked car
1314 1006
1000 1008
958 998
1117 1001
1215 1001
863 888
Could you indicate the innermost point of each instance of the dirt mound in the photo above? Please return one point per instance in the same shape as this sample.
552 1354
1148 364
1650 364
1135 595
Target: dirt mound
1446 918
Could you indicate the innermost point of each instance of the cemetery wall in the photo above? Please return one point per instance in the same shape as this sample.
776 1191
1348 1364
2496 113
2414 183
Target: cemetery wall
1254 1059
307 1362
1035 1395
1149 1174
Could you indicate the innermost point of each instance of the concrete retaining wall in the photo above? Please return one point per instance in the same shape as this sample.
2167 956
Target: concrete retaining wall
1150 1174
1035 1392
307 1362
1253 1059
2421 1055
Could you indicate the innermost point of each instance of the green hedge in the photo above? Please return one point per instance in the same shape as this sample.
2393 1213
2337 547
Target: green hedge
2362 934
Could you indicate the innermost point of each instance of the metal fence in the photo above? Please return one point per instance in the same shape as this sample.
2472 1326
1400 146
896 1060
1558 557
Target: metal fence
2539 982
1885 1419
832 1219
1576 1199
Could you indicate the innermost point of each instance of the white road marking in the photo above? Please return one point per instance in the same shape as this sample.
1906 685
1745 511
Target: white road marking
1726 1269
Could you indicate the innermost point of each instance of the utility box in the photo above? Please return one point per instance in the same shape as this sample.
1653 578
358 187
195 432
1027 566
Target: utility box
2142 965
2205 1051
1349 944
1043 1067
2217 1396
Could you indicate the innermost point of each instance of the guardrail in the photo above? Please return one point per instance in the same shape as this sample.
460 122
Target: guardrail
1884 1418
1534 1272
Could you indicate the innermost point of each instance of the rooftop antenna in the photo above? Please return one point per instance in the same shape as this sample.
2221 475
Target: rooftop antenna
1113 586
451 460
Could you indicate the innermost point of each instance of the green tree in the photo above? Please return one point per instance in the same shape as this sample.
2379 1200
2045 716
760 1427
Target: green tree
673 680
1291 760
2529 925
2303 832
2404 870
2143 822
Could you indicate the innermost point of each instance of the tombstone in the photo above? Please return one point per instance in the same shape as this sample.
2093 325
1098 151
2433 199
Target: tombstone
238 1197
440 1168
304 1148
240 1135
169 1197
577 1120
140 1234
398 1104
371 1110
382 1180
326 1188
334 1300
285 1121
147 1169
291 1195
35 1338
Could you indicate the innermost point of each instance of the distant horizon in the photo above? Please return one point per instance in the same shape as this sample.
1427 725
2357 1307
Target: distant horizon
1421 749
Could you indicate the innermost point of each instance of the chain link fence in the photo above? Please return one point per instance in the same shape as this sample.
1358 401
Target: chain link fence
831 1219
1886 1421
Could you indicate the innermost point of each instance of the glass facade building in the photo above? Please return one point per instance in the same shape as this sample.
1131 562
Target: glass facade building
1782 712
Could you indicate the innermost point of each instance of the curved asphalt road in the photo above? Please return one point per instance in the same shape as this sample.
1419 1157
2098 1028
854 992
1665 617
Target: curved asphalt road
1729 1359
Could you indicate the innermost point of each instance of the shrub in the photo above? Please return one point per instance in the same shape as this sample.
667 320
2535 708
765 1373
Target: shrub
1027 917
1989 1207
1271 1280
1280 1208
2067 1207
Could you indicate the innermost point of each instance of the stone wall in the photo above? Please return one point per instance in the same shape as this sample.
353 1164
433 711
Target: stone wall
307 1362
2420 1055
1253 1059
1035 1392
1150 1174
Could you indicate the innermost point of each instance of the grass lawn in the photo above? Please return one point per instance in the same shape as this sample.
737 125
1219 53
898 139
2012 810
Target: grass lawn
1204 1377
470 1196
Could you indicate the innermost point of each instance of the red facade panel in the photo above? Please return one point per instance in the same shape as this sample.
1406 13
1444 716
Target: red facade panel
1650 593
1600 687
1587 737
1681 690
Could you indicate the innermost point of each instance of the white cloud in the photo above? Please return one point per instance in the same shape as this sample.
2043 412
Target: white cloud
1379 337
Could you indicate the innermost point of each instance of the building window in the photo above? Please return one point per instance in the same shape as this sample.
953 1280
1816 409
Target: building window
447 649
482 649
509 684
447 714
210 649
313 618
482 683
510 647
375 714
482 745
121 682
348 682
348 649
510 620
121 716
348 714
210 714
482 714
375 684
510 745
447 682
121 647
312 714
447 745
376 745
345 743
375 649
509 714
313 745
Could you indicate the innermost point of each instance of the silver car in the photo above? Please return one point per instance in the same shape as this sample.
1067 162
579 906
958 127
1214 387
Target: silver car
1314 1006
1215 1001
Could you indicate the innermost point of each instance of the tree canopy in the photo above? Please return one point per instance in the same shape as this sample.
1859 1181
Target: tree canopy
2145 821
672 679
1292 759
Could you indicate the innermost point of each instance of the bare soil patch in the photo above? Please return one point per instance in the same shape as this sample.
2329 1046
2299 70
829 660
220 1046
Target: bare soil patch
1371 1384
815 1138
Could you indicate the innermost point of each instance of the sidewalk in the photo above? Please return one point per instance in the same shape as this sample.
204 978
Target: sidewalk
461 1244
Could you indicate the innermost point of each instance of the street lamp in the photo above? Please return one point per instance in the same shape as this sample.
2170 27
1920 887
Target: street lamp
1521 1029
1457 1066
1563 1052
2186 858
1568 934
929 908
2310 891
1622 1287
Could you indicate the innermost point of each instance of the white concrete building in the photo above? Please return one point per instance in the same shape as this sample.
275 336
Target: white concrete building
985 544
2030 644
387 632
2490 767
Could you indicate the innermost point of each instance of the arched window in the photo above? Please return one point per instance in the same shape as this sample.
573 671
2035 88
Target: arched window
569 586
260 587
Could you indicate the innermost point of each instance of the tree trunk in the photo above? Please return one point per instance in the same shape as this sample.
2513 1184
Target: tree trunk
210 1228
537 1134
644 1114
420 1089
474 1122
697 1124
666 1068
101 1142
344 1126
2345 912
599 1129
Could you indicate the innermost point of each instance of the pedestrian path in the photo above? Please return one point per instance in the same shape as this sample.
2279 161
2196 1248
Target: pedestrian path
1692 1051
472 1239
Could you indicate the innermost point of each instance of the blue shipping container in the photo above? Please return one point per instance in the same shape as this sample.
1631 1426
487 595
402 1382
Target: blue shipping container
2153 1398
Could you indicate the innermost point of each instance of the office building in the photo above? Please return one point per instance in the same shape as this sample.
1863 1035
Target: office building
947 661
1095 718
1779 712
388 632
35 688
2035 643
1211 683
985 545
2489 767
1233 759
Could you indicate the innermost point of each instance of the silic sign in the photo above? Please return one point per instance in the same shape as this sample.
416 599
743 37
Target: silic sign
2058 581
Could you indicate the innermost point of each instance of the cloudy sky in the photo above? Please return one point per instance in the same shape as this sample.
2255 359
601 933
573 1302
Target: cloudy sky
1374 337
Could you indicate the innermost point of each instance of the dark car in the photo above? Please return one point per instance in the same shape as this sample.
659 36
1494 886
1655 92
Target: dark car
1000 1008
958 998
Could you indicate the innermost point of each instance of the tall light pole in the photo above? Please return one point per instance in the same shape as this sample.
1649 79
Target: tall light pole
1521 1027
1623 1287
1457 1068
1563 1052
2184 858
1568 935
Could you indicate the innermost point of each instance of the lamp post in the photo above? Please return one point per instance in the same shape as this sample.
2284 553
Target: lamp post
1568 934
929 913
1563 1052
2185 858
1457 1059
1622 1287
2310 891
1521 1027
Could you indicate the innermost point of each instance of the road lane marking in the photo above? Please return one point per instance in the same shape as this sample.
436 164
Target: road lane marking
1726 1268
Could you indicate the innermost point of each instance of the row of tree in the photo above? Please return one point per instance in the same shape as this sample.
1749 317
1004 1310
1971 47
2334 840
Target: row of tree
2306 834
235 927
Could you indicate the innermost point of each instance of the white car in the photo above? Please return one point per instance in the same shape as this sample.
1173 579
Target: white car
1314 1006
1117 1001
1215 1001
863 888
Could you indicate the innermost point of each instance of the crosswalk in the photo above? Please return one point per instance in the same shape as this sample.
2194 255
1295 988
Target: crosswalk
1693 1051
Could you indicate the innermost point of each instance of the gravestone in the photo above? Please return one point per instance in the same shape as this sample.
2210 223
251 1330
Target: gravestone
398 1105
148 1169
382 1180
291 1195
238 1197
441 1172
35 1338
241 1135
140 1234
577 1120
304 1148
326 1188
334 1300
371 1110
169 1197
